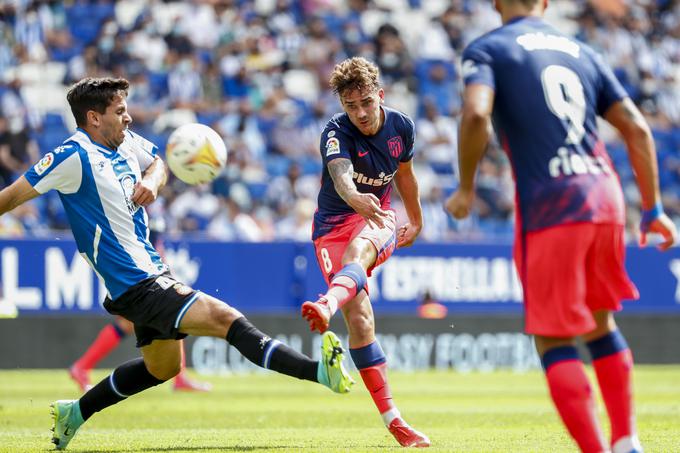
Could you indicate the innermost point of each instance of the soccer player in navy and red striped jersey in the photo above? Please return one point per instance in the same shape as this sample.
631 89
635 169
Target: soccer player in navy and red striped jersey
543 91
364 149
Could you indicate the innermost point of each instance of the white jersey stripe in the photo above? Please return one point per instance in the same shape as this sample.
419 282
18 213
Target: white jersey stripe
97 237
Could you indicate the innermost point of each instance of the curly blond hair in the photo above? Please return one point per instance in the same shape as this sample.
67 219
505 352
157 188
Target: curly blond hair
356 73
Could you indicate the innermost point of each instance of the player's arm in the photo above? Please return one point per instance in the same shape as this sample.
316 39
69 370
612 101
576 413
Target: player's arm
19 192
154 177
626 117
473 138
407 185
366 205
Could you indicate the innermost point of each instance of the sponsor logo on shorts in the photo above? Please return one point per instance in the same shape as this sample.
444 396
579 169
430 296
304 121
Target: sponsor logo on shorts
332 146
182 289
44 164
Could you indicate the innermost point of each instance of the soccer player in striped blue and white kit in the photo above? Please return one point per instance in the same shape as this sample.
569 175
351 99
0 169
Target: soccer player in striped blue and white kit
105 175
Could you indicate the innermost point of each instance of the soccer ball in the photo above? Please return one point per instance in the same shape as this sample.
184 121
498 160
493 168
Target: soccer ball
196 154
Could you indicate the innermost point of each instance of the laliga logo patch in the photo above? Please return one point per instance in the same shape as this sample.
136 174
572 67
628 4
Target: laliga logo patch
182 290
469 68
44 164
332 146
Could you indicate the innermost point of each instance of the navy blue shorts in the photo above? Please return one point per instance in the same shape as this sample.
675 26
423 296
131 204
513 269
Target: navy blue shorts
155 306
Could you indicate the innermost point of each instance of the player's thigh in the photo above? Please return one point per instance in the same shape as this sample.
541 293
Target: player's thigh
383 240
360 250
208 316
607 282
552 271
163 358
331 247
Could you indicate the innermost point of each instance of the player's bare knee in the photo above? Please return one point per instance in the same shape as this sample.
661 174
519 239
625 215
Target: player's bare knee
221 314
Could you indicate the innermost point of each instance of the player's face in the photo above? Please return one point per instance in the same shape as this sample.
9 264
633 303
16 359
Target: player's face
114 122
363 109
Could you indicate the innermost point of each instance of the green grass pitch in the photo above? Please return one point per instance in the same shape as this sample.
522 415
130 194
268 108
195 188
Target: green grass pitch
495 412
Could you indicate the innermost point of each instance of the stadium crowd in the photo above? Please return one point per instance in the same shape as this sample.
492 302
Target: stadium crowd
257 72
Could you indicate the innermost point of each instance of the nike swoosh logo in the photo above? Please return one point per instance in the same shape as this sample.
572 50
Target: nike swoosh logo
66 431
362 154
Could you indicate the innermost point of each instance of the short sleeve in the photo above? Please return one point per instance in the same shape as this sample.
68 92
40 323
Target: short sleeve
477 66
60 169
611 90
335 144
409 140
143 149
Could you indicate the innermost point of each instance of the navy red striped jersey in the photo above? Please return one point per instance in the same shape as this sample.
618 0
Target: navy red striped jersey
375 159
549 90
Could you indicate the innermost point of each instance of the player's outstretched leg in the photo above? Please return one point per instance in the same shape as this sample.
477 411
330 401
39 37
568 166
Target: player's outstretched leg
343 287
371 362
67 419
268 353
613 364
332 372
107 340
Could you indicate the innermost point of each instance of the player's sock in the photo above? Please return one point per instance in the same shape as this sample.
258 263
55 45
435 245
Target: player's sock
126 380
345 285
573 396
613 364
268 353
371 362
107 340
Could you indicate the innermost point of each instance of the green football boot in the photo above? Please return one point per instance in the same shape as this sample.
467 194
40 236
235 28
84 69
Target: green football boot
331 372
67 420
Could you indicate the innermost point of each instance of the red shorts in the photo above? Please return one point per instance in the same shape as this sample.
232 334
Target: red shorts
569 271
331 247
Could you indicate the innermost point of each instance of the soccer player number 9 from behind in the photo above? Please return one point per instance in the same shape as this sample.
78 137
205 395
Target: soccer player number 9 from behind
564 94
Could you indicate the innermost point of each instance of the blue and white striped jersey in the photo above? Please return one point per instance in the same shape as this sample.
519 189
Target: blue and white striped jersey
95 185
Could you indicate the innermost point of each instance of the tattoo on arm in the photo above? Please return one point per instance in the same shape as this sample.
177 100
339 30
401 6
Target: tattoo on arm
341 171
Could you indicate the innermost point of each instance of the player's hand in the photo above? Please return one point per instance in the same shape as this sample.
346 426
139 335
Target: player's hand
460 203
662 225
367 206
144 193
407 235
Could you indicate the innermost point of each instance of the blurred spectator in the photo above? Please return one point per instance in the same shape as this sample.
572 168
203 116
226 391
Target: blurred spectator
17 150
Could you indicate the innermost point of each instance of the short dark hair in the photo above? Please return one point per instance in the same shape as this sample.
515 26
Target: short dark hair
94 94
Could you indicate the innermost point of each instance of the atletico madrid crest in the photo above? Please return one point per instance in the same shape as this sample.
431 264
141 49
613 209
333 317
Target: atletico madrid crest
396 146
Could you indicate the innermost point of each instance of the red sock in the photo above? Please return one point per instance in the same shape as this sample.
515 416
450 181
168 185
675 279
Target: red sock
614 377
375 380
573 396
107 340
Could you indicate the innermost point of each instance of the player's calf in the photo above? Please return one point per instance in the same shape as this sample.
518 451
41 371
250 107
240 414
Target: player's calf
268 353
